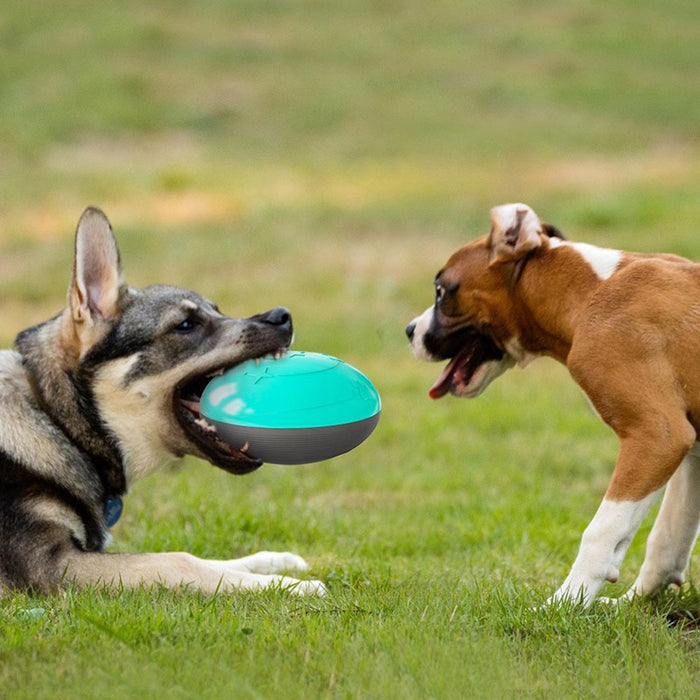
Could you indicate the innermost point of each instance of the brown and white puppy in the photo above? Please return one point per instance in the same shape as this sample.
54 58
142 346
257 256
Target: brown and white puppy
627 326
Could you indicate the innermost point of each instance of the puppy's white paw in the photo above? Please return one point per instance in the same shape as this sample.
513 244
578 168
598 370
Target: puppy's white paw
626 598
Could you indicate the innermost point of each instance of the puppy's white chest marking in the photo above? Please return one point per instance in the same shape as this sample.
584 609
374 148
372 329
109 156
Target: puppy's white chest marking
603 261
518 352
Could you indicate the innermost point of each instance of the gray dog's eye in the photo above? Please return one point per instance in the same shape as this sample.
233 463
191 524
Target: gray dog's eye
187 326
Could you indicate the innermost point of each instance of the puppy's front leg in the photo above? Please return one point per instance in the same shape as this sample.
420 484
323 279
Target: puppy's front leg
174 570
603 546
675 530
647 459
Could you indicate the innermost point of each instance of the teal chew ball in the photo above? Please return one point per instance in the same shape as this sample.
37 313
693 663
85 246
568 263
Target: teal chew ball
304 407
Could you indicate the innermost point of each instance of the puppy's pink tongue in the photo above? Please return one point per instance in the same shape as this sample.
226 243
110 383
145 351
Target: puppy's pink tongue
444 381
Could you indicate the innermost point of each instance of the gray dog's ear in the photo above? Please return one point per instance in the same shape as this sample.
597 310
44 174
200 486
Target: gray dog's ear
515 232
97 272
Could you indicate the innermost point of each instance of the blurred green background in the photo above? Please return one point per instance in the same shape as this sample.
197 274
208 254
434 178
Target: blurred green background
329 156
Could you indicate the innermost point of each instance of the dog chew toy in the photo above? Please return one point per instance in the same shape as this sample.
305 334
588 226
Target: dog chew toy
304 407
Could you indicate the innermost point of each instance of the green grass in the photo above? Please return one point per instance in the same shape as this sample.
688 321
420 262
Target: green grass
374 638
329 156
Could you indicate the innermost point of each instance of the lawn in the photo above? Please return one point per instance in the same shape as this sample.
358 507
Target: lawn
329 156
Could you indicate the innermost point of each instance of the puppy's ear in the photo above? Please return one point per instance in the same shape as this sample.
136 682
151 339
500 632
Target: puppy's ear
515 232
93 296
552 231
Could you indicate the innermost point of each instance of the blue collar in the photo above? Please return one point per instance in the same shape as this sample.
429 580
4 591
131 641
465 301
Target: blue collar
113 510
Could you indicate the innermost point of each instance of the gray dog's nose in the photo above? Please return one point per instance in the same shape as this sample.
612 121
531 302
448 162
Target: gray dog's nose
280 316
411 329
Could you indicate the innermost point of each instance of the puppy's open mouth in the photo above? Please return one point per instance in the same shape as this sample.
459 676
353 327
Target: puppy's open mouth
202 433
475 349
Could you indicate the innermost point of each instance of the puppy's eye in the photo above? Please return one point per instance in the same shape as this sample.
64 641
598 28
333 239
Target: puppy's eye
186 326
444 291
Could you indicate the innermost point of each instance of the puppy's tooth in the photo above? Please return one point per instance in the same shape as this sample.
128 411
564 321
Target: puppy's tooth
245 447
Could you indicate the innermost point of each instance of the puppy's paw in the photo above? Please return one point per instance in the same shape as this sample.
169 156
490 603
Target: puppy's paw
626 598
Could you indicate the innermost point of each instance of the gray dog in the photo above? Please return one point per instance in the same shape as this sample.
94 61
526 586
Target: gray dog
101 395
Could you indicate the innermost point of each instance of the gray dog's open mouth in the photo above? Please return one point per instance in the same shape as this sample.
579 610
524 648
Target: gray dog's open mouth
202 433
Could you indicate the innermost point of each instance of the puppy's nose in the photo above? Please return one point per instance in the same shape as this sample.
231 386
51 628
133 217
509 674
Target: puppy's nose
410 330
280 316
